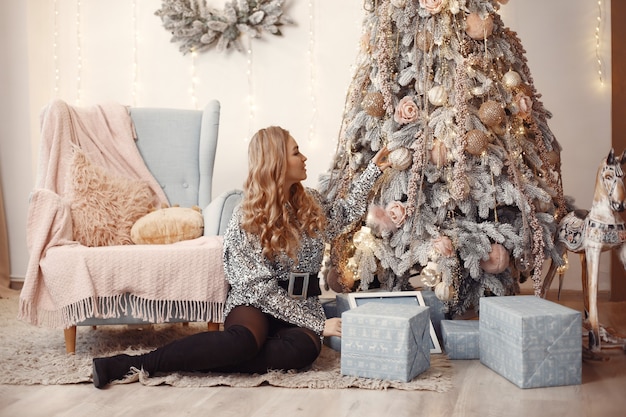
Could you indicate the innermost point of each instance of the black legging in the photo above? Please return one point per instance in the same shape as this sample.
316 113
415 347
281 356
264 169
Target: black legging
252 342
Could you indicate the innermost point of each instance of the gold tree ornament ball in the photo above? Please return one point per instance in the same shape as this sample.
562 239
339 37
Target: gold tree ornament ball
491 113
478 28
498 259
444 292
400 159
437 95
476 142
511 79
430 275
424 40
374 104
333 280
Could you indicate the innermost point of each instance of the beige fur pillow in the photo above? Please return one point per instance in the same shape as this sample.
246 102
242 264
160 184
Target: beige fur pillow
168 225
105 207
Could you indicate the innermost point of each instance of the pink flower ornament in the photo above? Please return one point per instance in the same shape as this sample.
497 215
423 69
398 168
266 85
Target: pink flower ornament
523 104
433 6
396 211
378 220
406 111
443 246
478 28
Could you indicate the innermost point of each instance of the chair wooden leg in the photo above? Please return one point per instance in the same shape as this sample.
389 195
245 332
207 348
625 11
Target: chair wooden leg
70 340
213 327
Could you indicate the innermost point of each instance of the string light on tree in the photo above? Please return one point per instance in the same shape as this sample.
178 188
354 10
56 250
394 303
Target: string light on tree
194 80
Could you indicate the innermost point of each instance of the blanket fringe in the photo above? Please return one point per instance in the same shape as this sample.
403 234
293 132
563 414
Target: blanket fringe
120 306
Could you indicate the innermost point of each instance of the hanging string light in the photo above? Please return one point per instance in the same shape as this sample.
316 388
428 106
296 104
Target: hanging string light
135 87
312 70
55 49
194 80
250 98
79 54
599 21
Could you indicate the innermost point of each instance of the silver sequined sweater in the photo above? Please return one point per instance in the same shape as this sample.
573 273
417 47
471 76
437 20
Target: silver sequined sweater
254 279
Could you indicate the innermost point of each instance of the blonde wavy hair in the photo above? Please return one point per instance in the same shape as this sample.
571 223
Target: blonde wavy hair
265 210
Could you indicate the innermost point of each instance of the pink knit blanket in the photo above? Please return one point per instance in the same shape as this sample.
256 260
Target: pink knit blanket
66 282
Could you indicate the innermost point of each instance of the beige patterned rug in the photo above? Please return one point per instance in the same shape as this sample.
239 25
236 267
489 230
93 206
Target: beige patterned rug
31 355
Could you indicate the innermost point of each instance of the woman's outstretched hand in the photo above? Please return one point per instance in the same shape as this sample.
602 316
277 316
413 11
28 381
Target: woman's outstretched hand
381 159
332 327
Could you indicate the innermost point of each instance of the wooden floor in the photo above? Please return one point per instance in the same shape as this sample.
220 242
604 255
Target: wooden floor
477 391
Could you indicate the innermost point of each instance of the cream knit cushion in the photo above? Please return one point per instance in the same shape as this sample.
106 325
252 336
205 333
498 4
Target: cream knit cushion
168 225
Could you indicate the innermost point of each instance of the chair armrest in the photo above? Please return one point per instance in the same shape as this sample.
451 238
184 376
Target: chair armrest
219 211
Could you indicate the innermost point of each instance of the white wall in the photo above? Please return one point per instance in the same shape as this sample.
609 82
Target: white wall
558 35
15 120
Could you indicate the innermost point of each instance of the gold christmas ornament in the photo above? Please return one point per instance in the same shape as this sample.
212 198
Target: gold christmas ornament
476 142
400 159
430 275
439 153
498 259
424 40
374 104
491 113
363 239
478 28
334 281
437 96
511 79
444 291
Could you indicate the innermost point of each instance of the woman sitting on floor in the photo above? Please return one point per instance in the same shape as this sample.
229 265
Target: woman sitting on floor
276 236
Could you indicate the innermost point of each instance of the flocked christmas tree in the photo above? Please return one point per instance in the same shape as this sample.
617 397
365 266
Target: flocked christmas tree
474 191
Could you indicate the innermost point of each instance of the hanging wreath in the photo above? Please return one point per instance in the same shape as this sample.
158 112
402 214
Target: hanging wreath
199 27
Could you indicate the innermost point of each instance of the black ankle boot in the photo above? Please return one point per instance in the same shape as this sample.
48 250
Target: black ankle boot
105 370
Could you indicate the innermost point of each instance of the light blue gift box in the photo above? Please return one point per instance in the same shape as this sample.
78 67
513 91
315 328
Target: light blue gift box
460 338
385 341
437 308
530 341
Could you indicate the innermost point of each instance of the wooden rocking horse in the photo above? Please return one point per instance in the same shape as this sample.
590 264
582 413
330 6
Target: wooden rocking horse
589 233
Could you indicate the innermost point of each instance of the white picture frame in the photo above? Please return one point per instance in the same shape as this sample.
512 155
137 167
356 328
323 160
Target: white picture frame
356 299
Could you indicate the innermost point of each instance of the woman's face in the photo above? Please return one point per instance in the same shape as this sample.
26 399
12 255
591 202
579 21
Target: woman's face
296 166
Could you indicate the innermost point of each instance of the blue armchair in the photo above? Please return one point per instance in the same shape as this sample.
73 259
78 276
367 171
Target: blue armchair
178 148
